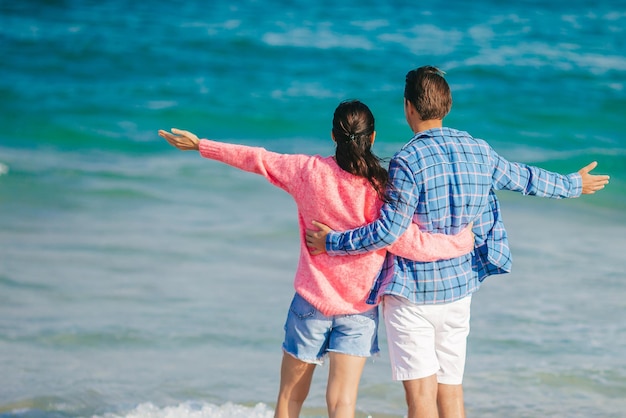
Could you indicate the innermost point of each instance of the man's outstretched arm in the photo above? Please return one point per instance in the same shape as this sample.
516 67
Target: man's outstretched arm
535 181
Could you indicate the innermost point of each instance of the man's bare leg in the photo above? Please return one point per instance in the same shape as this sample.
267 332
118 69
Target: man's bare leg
421 397
450 401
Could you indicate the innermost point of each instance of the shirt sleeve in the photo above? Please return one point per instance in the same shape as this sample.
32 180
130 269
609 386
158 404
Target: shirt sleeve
533 181
422 246
396 216
279 169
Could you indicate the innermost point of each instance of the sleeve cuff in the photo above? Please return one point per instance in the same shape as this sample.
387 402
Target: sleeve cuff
208 149
577 184
332 243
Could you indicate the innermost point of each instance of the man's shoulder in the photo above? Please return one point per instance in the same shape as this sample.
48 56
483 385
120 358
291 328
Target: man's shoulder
438 136
441 146
435 140
450 134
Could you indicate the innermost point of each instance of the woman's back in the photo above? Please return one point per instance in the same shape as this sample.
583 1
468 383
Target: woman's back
324 192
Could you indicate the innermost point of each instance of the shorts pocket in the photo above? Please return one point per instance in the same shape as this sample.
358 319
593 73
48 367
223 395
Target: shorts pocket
301 308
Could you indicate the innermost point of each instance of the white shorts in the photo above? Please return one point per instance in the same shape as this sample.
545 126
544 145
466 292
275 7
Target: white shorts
427 339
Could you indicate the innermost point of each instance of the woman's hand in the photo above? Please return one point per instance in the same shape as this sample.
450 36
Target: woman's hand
183 140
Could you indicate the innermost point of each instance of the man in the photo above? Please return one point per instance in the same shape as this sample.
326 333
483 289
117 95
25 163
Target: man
442 179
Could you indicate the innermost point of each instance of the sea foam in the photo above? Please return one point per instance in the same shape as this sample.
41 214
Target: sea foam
195 410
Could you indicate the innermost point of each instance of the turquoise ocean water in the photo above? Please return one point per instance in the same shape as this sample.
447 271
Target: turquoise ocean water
139 281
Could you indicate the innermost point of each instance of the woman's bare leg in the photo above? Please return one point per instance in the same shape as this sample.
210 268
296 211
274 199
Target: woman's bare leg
295 381
343 384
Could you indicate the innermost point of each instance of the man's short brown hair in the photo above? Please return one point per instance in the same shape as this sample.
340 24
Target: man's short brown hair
429 92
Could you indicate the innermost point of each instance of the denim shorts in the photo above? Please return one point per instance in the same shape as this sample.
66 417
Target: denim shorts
310 335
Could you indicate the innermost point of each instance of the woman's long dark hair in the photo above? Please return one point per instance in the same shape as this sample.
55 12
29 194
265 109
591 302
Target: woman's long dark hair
353 127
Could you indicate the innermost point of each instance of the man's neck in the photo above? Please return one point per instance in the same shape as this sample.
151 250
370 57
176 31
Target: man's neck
424 125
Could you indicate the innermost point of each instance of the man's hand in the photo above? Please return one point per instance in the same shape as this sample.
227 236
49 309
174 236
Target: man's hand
316 240
183 140
592 182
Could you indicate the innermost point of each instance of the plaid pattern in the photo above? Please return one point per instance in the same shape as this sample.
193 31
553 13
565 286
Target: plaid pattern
443 179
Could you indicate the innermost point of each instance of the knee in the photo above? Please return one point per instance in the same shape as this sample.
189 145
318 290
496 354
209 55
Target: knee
421 390
340 406
340 399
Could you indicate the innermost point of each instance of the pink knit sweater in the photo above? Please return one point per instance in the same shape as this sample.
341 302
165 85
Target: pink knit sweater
326 193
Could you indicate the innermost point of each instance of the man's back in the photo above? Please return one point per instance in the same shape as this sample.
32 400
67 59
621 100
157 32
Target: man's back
446 178
453 175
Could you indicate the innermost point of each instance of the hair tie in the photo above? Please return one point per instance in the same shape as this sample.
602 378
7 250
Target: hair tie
352 136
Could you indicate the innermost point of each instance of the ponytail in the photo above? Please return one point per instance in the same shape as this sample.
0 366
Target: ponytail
353 128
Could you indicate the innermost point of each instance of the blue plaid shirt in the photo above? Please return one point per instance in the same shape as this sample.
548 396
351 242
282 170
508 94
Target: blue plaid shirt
443 179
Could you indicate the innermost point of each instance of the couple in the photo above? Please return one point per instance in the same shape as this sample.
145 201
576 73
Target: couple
442 182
